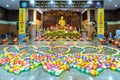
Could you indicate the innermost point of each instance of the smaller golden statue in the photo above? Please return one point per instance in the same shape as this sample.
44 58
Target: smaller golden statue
61 24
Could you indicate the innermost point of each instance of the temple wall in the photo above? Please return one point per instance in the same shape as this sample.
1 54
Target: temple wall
3 29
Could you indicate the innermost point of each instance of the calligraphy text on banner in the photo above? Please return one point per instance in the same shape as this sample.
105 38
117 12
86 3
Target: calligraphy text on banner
22 20
101 21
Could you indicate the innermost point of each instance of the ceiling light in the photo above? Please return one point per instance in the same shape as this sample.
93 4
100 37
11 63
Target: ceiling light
98 3
7 5
32 2
89 2
13 0
116 5
52 2
110 0
70 1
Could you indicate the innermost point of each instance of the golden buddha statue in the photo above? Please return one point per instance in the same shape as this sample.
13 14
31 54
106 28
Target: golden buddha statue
61 24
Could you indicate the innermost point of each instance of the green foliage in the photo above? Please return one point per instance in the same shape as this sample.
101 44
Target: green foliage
62 33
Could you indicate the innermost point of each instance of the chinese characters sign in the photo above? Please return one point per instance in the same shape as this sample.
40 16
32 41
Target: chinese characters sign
22 20
101 21
62 4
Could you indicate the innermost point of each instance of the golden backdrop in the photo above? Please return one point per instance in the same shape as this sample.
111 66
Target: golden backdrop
53 16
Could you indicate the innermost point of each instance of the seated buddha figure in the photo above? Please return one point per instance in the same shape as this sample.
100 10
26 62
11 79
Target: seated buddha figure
61 24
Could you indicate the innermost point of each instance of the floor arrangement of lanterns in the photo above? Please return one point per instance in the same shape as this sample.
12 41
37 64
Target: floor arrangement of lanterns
17 61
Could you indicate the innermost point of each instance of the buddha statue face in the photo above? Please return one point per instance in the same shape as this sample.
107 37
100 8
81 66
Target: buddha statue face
61 18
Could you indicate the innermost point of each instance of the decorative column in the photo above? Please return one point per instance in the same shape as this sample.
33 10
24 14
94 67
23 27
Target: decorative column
88 15
42 27
34 16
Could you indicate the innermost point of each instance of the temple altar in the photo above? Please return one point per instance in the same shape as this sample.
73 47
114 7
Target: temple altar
61 29
61 26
